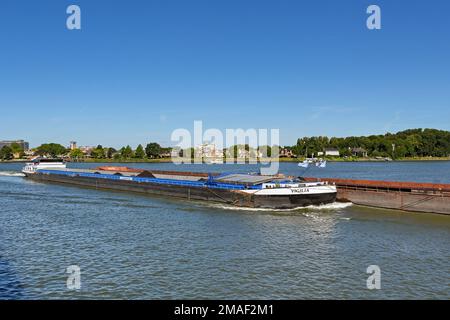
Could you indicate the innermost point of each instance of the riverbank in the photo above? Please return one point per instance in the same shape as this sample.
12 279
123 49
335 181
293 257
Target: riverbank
168 160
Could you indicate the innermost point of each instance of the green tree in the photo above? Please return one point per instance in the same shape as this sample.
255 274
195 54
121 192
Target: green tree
400 151
126 152
98 152
409 143
110 153
235 151
139 153
153 150
6 153
51 149
16 148
76 154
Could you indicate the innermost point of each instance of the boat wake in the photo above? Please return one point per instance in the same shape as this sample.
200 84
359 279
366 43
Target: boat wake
11 174
328 207
331 206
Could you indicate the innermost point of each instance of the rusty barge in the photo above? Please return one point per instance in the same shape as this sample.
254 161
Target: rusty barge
406 196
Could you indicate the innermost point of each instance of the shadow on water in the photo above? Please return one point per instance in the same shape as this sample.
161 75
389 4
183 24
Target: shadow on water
11 287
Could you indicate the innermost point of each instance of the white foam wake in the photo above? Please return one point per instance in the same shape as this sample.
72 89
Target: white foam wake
329 206
332 206
11 174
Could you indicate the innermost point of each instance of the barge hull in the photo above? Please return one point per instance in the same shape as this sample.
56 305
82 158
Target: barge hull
406 196
396 200
232 197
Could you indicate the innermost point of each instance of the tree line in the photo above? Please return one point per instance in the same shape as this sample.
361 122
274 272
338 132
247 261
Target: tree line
151 151
407 143
9 152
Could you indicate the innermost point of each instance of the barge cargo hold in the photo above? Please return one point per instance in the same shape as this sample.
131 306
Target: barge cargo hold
245 190
406 196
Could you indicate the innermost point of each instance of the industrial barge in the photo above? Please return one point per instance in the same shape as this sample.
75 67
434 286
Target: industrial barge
405 196
245 190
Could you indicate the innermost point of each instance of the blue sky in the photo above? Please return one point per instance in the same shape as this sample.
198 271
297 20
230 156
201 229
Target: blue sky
140 69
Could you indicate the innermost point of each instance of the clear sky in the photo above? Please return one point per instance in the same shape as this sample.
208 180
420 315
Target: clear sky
137 70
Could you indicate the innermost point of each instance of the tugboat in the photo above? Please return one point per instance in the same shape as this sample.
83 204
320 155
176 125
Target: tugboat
245 190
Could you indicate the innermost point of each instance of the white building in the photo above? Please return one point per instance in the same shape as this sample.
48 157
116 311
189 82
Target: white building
86 149
208 151
329 152
332 152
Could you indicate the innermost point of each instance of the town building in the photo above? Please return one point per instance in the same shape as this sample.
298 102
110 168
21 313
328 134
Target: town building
73 145
166 154
286 153
359 152
332 152
23 144
242 153
86 150
209 151
175 153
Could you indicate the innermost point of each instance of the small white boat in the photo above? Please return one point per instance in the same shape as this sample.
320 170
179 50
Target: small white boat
43 163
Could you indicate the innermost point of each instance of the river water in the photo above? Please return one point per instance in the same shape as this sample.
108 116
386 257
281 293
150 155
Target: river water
130 246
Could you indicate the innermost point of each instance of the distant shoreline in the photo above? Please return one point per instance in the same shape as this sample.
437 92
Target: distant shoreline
166 160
